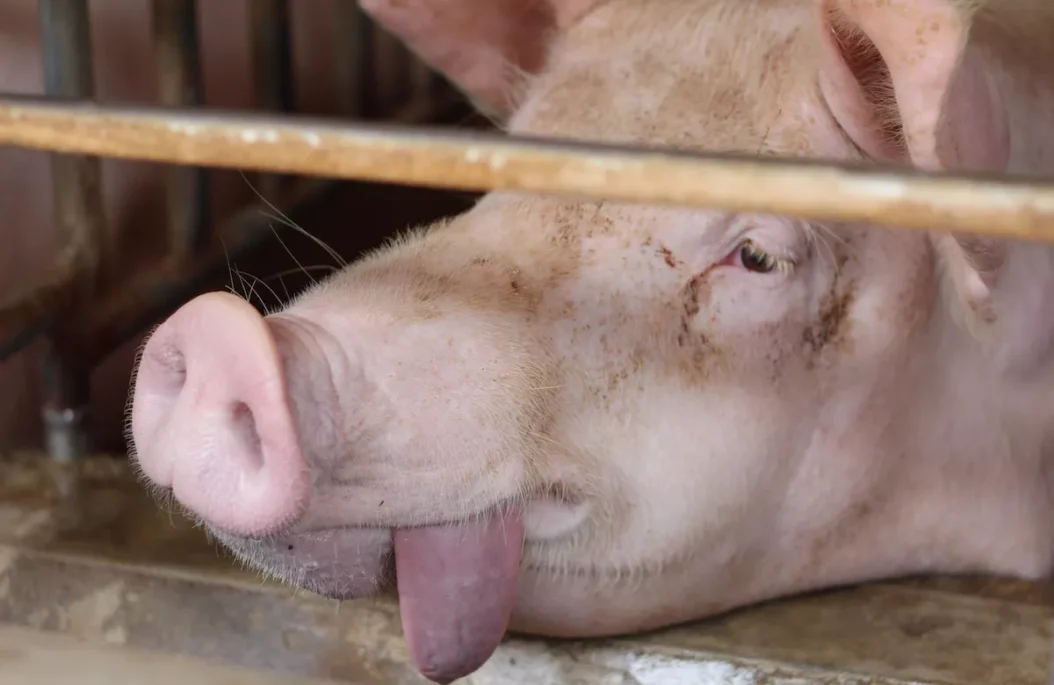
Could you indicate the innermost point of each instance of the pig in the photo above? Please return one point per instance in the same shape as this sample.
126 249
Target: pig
484 412
133 193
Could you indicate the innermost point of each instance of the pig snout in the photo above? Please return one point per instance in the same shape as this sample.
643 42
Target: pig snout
211 418
249 422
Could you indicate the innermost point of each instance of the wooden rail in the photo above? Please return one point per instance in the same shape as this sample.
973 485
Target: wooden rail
985 205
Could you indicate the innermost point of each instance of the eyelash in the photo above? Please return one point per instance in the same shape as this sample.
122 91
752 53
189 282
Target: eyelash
749 253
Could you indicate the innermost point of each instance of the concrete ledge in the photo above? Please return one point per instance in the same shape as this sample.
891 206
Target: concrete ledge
41 658
90 567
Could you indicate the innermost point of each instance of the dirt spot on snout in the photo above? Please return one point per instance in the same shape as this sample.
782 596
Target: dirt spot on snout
439 276
512 274
572 222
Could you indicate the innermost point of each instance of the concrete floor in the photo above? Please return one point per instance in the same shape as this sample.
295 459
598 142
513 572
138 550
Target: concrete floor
49 658
98 585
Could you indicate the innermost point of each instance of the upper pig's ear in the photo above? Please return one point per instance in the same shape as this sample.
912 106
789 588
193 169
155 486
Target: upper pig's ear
482 46
901 79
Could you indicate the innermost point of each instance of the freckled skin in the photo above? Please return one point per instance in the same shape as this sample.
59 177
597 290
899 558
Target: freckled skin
683 432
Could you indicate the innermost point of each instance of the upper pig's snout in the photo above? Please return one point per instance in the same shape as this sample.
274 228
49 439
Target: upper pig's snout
211 418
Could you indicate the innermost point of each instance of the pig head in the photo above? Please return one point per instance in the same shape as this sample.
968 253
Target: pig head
582 418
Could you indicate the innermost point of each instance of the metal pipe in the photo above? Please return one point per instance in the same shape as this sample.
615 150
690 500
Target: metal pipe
352 41
23 338
272 50
178 64
994 205
66 397
65 34
424 81
272 46
390 73
37 306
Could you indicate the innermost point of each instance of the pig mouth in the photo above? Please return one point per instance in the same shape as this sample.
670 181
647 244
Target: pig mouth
456 581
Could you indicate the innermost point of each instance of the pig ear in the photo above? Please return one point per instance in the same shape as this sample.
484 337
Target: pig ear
901 80
483 46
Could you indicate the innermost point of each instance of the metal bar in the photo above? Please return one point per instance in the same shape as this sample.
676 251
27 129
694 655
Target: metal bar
351 41
36 306
272 50
66 42
66 397
178 64
423 80
972 203
272 55
12 345
390 73
65 34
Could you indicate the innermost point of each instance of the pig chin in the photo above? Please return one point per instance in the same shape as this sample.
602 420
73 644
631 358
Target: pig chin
339 564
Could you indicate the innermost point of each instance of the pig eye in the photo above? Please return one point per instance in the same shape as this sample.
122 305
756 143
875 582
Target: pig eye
751 258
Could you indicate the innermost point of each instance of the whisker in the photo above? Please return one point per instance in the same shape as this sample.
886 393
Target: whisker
260 281
286 221
291 255
245 294
291 272
230 272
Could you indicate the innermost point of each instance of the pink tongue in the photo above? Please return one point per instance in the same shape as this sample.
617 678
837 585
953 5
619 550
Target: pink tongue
457 586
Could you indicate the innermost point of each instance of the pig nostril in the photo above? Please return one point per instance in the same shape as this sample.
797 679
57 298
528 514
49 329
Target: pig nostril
244 425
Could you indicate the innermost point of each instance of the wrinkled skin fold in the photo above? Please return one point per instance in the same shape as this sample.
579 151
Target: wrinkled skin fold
579 418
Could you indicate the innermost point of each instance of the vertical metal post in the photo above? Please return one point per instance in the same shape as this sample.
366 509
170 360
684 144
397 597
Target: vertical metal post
423 81
178 64
351 47
68 73
78 214
391 62
272 49
66 396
